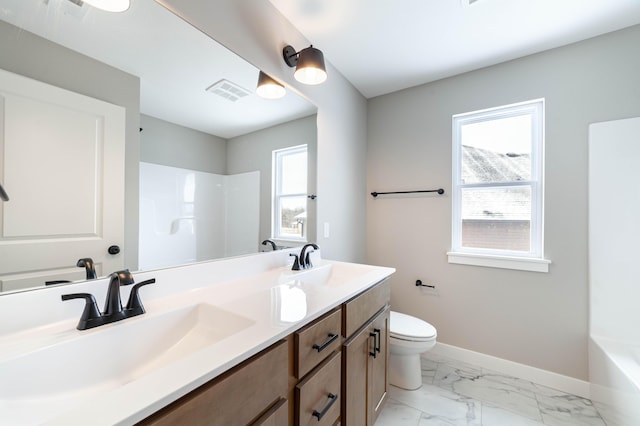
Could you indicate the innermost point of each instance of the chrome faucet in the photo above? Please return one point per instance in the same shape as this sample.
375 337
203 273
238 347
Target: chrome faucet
113 310
273 245
305 260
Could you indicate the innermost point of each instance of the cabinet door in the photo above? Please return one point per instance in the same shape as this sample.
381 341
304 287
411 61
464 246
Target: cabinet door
365 381
378 371
355 354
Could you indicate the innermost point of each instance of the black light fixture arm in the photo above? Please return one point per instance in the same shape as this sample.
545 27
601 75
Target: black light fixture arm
290 55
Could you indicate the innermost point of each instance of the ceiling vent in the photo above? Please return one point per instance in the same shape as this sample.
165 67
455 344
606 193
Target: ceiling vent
228 90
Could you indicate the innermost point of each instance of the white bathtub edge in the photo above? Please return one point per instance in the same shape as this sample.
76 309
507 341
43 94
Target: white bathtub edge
617 394
536 375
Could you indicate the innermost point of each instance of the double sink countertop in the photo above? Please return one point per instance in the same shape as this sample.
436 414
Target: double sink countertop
200 321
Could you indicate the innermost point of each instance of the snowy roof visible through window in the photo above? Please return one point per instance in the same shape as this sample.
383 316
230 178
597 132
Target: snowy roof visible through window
480 165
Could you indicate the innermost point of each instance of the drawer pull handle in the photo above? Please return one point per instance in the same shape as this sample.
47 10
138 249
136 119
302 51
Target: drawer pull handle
375 344
332 399
320 348
379 344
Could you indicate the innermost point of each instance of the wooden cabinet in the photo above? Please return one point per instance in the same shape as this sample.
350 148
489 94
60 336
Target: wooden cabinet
250 393
365 354
331 371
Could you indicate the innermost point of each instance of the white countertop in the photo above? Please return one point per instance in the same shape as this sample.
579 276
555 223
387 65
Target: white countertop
269 301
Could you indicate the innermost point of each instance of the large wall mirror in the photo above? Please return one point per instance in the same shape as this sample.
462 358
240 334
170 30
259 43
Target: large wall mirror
188 107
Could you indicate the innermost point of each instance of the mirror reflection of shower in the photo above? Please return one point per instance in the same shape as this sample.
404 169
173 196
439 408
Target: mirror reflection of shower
3 194
191 216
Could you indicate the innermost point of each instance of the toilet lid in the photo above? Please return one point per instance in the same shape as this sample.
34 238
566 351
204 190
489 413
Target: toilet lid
408 327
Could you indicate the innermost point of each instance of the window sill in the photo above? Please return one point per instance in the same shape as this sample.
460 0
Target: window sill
288 243
504 262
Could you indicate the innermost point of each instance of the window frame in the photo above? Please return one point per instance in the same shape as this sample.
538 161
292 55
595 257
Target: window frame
533 260
277 196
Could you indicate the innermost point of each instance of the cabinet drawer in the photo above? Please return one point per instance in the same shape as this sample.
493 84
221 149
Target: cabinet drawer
237 397
316 341
318 395
361 308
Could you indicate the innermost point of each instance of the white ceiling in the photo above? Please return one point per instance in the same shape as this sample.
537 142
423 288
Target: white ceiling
175 62
382 46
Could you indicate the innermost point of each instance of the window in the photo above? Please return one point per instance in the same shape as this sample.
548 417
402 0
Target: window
290 193
497 187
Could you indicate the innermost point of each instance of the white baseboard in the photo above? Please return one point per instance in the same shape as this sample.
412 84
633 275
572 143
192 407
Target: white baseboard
542 377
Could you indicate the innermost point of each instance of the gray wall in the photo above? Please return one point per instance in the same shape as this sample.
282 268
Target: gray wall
173 145
253 152
538 319
256 31
29 55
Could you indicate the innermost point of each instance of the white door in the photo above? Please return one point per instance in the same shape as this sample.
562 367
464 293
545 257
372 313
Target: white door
62 165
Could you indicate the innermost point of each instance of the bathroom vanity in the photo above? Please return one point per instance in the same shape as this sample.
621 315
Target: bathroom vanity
237 341
321 375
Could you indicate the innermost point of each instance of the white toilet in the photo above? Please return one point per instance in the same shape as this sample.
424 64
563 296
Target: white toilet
408 338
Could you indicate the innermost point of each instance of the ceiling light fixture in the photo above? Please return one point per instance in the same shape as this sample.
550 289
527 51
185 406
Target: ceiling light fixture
268 88
109 5
309 64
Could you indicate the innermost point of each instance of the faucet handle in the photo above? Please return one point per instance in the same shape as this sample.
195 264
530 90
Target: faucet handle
296 262
134 305
307 259
91 311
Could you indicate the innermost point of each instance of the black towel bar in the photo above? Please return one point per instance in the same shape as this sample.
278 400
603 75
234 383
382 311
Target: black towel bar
439 191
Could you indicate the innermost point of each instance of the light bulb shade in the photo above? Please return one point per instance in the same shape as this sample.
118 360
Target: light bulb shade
310 68
268 88
109 5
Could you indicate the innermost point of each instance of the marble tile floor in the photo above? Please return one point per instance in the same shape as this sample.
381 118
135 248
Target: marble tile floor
455 393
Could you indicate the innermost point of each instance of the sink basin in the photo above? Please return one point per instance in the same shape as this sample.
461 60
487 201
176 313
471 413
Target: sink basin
113 355
329 274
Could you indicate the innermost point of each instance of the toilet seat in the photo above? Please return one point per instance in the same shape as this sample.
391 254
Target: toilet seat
408 328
